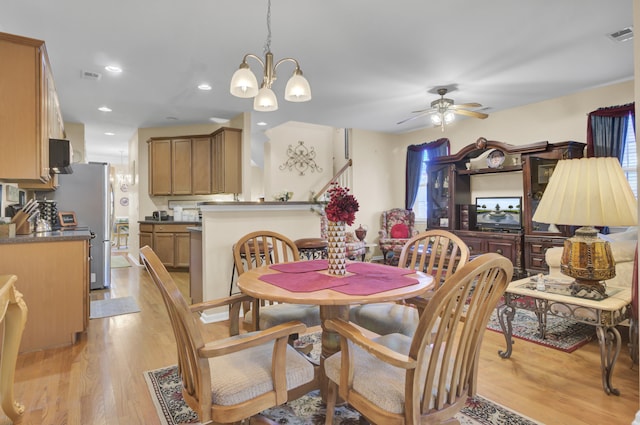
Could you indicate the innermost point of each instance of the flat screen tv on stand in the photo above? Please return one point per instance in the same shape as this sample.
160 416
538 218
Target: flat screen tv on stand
499 213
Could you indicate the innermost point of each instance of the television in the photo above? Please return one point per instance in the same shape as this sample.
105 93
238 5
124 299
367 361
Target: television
499 213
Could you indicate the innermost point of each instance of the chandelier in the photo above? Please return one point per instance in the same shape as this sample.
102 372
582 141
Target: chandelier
244 83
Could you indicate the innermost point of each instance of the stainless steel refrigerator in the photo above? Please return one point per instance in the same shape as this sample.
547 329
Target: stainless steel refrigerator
88 193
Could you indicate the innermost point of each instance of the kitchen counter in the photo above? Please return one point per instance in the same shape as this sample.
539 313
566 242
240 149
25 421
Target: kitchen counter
53 236
152 221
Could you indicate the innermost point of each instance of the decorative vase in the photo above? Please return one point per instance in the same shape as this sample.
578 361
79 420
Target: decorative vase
361 233
337 248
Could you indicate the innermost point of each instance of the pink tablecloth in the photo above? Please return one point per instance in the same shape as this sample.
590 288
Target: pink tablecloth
362 279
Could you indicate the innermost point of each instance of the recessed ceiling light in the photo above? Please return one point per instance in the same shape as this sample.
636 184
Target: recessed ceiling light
204 86
108 133
104 109
261 123
218 120
113 68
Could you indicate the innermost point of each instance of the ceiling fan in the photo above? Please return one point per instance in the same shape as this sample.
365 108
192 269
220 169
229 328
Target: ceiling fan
442 110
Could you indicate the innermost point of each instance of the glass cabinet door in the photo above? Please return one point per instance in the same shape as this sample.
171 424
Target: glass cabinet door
541 170
439 189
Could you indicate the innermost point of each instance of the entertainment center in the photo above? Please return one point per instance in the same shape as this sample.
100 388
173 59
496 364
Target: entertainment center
498 219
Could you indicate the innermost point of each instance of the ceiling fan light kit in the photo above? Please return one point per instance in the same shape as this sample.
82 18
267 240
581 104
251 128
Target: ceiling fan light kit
443 111
244 83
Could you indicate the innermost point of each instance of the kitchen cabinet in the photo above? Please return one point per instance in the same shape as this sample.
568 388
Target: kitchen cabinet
201 160
196 165
181 166
56 291
170 241
29 112
160 170
227 160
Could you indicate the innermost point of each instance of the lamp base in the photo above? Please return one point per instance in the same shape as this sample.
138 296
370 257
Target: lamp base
590 289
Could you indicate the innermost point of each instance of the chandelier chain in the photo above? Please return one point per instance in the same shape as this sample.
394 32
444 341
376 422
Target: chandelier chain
267 44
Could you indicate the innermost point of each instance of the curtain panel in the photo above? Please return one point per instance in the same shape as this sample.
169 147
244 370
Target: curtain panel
607 130
415 159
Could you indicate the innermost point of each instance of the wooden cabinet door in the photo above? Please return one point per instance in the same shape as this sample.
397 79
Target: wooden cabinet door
146 239
181 166
505 248
227 160
201 166
160 167
163 245
23 119
181 250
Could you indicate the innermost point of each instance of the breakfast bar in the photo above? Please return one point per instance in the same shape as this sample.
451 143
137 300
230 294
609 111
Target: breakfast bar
223 223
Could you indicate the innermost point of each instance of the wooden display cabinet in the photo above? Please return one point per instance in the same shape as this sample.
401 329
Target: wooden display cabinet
449 199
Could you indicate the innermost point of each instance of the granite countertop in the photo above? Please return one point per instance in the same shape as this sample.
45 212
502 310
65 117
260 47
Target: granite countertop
53 236
194 228
152 221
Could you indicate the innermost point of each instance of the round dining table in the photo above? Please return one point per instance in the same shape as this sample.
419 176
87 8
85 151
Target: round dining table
308 282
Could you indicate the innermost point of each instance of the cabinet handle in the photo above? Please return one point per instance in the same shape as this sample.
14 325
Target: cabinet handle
499 251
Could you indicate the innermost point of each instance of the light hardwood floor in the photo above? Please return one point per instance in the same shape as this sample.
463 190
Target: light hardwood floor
99 380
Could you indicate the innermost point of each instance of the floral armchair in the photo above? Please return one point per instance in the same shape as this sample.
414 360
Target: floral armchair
397 227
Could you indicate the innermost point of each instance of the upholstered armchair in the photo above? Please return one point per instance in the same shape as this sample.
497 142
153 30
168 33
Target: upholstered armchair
397 227
355 247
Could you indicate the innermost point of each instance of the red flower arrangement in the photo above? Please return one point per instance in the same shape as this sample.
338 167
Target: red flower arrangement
342 206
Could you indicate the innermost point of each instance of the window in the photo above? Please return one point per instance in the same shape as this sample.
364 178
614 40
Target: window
629 158
420 207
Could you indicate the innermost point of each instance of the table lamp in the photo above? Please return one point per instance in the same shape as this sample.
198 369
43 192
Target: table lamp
588 192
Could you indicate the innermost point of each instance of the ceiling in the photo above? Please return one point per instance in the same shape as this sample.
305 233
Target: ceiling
369 63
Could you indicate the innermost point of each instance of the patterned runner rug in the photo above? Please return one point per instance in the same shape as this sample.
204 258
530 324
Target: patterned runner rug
562 334
165 389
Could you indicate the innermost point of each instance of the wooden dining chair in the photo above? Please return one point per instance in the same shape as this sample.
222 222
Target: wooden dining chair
436 252
396 379
13 317
228 380
247 255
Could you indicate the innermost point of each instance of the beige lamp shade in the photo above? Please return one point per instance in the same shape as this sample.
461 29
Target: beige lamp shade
588 192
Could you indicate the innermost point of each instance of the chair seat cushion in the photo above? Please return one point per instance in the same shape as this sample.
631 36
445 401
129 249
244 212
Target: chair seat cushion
311 243
244 375
369 373
278 314
385 318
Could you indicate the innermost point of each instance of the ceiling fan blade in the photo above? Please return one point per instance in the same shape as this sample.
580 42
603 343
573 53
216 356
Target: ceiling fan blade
467 105
413 117
474 114
424 110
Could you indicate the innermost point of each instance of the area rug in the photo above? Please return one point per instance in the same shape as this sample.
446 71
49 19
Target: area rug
165 388
113 307
562 334
119 261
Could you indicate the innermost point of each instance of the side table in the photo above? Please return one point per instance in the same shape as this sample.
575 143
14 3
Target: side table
604 315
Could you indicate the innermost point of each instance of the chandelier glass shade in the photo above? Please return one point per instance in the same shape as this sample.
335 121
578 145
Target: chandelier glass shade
244 83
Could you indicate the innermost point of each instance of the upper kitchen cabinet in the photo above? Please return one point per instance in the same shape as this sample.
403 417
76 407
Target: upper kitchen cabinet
29 111
196 165
227 160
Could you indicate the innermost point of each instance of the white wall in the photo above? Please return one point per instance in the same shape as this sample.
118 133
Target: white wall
317 140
